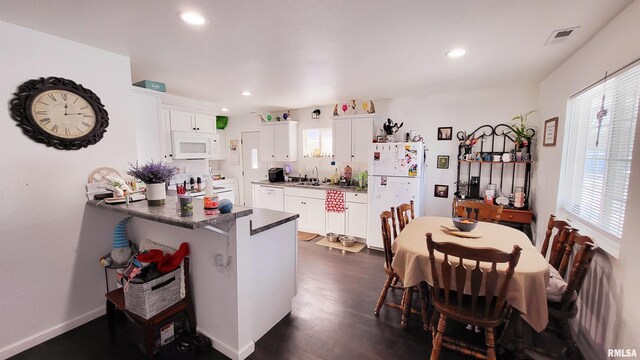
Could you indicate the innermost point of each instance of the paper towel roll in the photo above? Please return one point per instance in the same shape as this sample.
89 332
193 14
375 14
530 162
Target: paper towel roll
208 186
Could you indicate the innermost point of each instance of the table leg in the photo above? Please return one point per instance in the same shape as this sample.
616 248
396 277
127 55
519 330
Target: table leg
518 342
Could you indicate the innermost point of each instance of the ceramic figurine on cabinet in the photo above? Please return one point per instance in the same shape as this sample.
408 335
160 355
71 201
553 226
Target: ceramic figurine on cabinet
335 110
315 114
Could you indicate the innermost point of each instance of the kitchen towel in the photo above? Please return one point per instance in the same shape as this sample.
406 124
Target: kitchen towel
334 201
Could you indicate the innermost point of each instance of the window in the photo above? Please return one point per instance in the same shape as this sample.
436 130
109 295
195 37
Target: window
598 156
317 142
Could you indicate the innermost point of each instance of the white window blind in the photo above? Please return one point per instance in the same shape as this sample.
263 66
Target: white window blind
596 178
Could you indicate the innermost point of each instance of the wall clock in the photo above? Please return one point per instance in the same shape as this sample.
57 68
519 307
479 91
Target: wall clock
58 112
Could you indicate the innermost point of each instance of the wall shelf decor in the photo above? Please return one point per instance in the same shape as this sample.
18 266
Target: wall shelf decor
491 163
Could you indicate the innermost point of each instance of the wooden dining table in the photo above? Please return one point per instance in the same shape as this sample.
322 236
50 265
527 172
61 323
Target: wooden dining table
527 290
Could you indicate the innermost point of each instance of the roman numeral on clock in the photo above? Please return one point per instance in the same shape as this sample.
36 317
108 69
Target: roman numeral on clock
84 107
52 97
66 131
54 128
85 124
64 96
41 112
45 121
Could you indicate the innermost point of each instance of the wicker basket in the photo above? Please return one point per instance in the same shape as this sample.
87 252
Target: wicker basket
149 298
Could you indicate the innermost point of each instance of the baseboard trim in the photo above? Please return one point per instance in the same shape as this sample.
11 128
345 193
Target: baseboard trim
229 351
50 333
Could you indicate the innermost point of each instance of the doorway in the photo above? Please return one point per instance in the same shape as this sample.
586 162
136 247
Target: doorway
252 168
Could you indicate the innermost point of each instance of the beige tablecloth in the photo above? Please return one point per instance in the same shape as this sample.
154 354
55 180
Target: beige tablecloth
527 291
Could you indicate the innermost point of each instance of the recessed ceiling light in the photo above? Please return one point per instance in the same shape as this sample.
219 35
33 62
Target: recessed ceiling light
192 18
456 53
224 109
246 93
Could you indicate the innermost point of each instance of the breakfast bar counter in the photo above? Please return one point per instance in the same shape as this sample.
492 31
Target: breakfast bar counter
243 263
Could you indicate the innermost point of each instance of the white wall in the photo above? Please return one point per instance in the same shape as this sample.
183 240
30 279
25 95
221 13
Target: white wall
608 315
464 111
49 274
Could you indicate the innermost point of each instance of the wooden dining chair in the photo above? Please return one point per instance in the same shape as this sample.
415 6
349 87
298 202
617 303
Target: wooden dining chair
115 301
407 296
562 231
486 311
478 210
578 253
405 214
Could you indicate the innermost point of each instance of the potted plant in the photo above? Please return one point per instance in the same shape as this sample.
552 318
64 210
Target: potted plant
155 175
467 142
523 134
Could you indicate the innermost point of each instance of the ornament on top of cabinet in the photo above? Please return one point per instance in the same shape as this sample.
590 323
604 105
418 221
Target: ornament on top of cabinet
372 108
269 117
278 118
261 118
344 108
335 110
287 115
353 107
315 114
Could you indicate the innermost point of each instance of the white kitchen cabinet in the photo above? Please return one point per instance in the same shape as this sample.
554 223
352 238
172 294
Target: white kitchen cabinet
268 197
146 120
267 147
309 204
191 120
355 220
165 136
352 221
279 141
352 136
230 183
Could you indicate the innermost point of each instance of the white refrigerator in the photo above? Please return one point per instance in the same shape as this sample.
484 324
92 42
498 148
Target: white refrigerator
396 176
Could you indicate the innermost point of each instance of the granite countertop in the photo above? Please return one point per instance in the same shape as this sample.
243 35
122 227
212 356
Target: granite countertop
167 214
296 184
265 219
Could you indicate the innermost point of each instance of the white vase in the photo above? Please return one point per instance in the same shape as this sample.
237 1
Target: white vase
156 194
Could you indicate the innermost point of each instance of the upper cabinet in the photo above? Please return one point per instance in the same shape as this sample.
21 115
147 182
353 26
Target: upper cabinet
187 120
279 141
352 136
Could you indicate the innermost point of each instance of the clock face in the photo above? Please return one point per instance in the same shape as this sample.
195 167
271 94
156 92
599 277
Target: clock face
63 113
60 113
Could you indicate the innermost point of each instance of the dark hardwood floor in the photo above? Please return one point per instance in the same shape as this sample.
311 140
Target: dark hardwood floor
332 319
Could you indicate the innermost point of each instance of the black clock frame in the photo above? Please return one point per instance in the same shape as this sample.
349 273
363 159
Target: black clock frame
20 106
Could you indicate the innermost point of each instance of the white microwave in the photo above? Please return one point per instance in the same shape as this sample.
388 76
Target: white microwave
194 145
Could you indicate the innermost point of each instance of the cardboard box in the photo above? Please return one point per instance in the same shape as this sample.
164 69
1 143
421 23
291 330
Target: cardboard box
150 84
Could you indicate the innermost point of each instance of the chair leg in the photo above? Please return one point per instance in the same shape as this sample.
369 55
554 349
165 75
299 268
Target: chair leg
407 299
111 308
383 294
437 340
422 291
572 349
491 344
395 282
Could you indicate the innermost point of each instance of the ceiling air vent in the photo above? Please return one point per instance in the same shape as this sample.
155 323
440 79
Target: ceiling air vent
560 36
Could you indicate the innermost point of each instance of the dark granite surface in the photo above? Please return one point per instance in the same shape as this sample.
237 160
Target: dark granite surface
265 219
296 184
167 214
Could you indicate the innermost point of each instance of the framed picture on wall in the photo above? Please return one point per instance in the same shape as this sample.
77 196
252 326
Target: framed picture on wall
443 161
441 191
445 133
550 132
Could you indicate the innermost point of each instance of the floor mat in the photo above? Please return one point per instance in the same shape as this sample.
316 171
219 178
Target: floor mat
305 236
338 245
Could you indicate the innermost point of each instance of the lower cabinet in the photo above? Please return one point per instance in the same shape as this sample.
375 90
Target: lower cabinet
352 221
311 212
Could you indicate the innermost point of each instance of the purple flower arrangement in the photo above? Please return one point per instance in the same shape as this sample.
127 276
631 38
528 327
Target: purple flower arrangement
153 172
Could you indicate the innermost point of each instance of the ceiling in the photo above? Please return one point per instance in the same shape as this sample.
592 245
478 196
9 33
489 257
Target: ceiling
294 53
